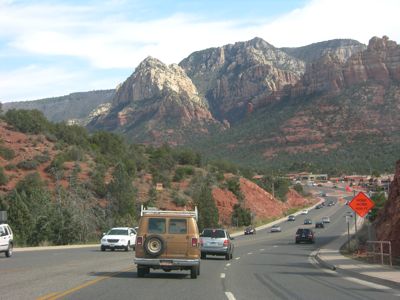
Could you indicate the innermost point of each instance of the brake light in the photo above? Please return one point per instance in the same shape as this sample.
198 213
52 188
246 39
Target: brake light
226 243
194 242
139 241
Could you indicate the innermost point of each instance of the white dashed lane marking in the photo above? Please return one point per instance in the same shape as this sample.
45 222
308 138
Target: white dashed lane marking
230 296
222 275
237 258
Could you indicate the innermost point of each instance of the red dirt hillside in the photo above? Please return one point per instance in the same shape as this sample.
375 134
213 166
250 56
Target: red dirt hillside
259 201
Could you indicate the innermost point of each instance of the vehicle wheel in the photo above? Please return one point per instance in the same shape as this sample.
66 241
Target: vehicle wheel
141 271
231 257
112 249
227 256
203 256
128 246
154 245
193 272
102 248
198 270
9 251
297 242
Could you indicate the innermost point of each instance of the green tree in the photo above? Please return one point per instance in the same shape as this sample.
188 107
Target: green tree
121 195
241 216
203 199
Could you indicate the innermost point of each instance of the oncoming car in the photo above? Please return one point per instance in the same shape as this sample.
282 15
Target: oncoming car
118 238
249 230
276 228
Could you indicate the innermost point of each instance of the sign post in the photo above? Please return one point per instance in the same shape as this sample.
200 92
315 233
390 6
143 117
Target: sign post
348 232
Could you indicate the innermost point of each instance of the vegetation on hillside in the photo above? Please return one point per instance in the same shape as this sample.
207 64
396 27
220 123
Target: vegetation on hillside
76 209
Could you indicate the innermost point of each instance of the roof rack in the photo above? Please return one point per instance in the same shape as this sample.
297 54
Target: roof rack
154 211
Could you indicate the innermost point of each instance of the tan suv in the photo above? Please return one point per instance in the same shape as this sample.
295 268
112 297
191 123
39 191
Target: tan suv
168 240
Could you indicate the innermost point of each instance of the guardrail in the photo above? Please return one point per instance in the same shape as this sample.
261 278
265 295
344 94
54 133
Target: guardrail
380 249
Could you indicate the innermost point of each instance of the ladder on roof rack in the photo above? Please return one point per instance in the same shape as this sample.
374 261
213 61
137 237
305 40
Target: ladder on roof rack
154 211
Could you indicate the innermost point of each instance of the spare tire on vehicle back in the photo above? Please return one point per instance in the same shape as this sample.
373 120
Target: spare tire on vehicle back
154 245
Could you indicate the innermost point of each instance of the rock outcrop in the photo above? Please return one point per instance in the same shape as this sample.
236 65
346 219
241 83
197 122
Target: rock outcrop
155 104
234 75
379 63
388 220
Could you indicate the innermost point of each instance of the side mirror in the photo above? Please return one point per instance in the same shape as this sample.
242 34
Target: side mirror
104 233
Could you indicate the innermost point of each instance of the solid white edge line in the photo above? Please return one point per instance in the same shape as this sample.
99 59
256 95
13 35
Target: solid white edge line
222 275
230 296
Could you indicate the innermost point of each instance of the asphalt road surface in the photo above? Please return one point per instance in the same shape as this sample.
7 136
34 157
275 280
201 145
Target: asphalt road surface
265 266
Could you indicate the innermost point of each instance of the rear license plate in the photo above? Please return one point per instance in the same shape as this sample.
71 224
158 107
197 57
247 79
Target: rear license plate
165 262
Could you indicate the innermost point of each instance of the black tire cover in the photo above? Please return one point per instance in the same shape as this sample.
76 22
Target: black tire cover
150 239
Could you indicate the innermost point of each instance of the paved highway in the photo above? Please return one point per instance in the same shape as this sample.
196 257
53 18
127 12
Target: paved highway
265 266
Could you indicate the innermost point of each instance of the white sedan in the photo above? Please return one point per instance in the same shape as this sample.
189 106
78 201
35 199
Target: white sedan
304 211
119 238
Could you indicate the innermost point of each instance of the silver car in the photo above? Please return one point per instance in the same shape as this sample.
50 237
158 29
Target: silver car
216 242
276 228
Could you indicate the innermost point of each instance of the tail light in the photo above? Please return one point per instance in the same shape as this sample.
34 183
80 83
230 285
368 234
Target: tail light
139 241
194 242
226 243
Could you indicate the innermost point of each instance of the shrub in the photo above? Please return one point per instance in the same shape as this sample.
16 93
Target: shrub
3 177
6 153
28 165
10 167
29 121
178 200
42 158
182 172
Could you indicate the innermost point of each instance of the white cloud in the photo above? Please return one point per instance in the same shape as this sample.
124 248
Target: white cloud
322 20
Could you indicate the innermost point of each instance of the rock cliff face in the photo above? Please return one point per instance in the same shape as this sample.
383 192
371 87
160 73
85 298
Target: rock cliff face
330 74
233 75
388 220
343 49
156 103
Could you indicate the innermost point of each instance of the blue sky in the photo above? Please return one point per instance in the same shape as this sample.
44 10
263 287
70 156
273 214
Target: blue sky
53 48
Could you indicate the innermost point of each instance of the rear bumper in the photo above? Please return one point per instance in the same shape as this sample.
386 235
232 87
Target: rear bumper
215 251
165 262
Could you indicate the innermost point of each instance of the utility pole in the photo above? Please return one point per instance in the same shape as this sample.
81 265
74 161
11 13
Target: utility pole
273 189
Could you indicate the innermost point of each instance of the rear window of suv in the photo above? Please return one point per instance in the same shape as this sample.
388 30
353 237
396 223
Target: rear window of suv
213 233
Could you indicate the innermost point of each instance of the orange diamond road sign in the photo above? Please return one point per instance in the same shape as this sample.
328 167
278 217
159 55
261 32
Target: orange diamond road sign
361 204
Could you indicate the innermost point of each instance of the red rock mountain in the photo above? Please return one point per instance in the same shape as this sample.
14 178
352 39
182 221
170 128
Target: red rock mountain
155 104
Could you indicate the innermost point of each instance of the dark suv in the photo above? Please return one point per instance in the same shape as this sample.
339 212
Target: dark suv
305 235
